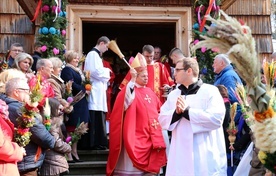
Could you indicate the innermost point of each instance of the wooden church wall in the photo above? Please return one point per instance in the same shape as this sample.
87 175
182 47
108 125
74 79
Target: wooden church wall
15 27
135 2
256 14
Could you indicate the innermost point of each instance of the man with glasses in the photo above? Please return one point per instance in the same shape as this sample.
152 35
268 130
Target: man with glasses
194 112
15 49
18 93
44 70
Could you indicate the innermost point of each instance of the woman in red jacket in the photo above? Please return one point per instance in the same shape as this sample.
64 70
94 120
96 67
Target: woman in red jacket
10 152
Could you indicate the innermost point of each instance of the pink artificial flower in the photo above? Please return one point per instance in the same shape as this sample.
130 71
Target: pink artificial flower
22 131
56 51
43 48
197 9
54 9
63 32
69 99
45 8
196 41
203 49
68 139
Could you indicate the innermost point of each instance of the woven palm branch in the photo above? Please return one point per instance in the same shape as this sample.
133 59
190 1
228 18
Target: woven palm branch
231 37
234 39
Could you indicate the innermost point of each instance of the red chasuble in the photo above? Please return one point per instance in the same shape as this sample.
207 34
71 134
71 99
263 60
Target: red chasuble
139 131
158 76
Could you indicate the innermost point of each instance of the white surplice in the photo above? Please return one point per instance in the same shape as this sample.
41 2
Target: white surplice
197 146
99 76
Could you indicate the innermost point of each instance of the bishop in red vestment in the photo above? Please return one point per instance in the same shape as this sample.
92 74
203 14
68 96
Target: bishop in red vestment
136 143
158 76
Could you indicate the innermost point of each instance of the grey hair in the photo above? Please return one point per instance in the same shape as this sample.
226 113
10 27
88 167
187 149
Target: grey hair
13 84
41 63
224 58
56 62
148 48
16 45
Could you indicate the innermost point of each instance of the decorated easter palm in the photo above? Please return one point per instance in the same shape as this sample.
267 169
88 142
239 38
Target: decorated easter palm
232 37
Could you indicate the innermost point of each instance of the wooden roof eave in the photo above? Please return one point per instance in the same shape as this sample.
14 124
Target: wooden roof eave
29 7
225 4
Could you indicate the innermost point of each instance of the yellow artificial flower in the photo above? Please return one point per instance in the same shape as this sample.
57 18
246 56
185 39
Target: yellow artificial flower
262 156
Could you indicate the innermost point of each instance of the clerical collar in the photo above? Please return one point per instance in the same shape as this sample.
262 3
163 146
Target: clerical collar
95 49
192 89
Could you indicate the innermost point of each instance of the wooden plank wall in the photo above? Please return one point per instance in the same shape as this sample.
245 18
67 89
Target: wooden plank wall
15 26
256 14
135 2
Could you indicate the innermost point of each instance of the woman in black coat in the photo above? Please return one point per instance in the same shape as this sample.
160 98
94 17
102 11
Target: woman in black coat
80 112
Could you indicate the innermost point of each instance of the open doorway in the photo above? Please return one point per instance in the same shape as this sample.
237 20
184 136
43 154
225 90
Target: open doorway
132 26
130 37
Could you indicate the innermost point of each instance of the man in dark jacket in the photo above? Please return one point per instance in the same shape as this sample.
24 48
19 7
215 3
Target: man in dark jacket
17 93
15 49
37 54
226 75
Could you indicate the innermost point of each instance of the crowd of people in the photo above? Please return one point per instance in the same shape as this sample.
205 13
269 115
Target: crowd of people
157 125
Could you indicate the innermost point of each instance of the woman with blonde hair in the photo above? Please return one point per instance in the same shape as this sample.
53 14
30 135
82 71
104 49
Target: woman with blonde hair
23 62
8 74
81 113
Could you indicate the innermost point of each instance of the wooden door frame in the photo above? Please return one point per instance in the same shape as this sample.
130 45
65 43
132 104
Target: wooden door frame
181 16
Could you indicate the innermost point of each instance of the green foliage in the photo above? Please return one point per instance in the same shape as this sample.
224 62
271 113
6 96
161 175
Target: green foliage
56 39
270 161
204 57
23 140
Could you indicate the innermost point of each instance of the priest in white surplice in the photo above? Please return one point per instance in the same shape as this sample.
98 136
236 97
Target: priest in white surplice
194 112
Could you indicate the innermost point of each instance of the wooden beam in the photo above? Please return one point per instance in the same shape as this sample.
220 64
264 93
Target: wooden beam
225 4
28 6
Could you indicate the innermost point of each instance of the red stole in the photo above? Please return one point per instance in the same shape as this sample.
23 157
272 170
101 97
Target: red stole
139 130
